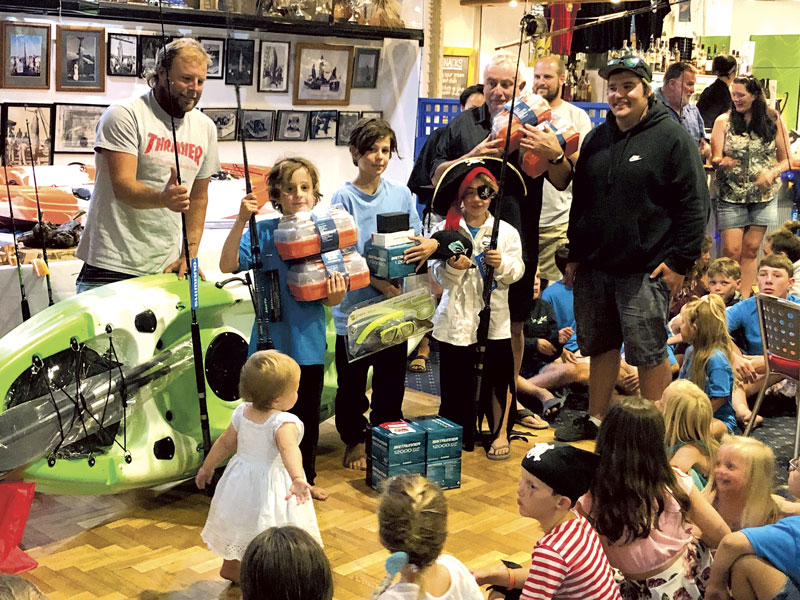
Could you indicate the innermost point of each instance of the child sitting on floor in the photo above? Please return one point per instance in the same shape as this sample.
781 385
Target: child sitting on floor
568 561
412 520
641 507
724 279
687 416
785 241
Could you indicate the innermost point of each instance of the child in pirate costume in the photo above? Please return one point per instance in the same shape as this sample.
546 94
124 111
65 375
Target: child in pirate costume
465 193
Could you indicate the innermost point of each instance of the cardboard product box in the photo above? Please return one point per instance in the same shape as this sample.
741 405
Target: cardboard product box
393 221
445 473
397 443
387 263
381 472
444 437
389 240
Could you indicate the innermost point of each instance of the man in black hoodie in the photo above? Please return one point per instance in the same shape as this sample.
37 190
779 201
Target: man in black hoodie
639 211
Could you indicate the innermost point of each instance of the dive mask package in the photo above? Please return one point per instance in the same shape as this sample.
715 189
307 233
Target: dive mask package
374 326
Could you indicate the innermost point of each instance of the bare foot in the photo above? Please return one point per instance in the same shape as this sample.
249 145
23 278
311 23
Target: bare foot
355 457
746 419
231 570
319 493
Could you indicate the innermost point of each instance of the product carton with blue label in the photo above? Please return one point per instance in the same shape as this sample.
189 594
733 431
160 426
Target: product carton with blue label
444 437
398 443
381 472
388 263
444 473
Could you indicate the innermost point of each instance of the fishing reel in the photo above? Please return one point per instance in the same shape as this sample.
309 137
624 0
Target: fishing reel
534 24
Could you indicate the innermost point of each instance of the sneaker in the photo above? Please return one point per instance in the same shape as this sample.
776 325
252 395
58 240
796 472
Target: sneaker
581 428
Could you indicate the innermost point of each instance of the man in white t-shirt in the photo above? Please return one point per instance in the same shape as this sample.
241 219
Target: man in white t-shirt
549 75
134 223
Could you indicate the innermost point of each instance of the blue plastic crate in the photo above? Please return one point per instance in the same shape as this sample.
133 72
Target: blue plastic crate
596 110
433 113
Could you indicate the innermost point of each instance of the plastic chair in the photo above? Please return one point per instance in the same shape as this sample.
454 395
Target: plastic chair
779 320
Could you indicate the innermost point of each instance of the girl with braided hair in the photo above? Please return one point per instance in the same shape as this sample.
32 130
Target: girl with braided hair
412 520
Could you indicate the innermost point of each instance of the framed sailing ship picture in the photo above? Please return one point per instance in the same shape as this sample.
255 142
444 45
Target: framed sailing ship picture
239 59
26 56
257 125
322 74
80 59
273 70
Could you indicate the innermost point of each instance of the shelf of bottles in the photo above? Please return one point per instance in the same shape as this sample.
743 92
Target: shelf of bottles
661 52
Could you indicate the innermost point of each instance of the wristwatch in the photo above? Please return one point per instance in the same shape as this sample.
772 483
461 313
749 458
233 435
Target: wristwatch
558 160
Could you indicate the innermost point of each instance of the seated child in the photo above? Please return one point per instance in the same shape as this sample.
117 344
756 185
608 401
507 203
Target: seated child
690 445
695 284
707 360
412 519
641 508
286 562
741 484
568 561
760 562
724 279
785 241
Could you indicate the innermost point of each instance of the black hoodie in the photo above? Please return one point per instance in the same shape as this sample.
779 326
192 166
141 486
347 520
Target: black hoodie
639 197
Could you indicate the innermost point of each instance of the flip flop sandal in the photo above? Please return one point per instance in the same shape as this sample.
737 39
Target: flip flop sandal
419 364
525 413
552 407
498 456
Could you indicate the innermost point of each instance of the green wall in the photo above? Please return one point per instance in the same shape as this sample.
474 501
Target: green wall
778 57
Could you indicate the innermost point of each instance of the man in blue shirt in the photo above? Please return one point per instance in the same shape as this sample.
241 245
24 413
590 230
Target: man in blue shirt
675 92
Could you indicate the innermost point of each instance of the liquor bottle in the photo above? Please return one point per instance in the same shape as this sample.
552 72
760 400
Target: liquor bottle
723 49
693 55
709 64
676 53
587 88
715 53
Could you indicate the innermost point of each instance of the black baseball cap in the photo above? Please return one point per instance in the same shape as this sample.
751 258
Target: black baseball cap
634 64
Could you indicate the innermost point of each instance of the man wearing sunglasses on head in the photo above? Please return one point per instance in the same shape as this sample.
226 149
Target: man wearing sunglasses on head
640 205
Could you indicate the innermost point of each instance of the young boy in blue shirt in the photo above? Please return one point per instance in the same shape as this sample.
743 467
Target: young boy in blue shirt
372 144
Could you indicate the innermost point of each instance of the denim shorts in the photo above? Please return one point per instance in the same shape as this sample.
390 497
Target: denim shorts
734 215
93 277
789 591
612 309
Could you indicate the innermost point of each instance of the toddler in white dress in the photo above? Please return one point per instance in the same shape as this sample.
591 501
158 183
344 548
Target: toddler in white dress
264 484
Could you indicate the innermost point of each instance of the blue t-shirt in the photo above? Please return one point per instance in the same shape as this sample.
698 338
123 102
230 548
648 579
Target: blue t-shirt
560 296
779 543
719 384
743 325
301 330
365 208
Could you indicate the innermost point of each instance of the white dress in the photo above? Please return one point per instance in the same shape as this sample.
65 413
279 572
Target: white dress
462 584
250 495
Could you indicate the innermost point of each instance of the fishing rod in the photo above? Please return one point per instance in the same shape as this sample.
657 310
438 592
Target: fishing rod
527 23
191 265
26 309
259 296
39 217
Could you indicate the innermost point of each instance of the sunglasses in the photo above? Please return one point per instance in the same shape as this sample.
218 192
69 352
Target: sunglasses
792 465
398 332
626 61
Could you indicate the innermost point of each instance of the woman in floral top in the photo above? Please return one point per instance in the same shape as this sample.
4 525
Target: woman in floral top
749 152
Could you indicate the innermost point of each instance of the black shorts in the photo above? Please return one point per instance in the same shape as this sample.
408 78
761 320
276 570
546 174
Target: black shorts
520 295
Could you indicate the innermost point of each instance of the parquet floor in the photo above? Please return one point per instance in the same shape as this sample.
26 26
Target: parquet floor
147 545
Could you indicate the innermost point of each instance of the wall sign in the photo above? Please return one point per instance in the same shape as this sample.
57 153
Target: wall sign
456 71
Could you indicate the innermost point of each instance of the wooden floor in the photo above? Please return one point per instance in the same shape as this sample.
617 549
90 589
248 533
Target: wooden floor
147 545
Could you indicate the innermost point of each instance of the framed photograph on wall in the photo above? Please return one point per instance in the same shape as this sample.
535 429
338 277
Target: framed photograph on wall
239 60
123 55
258 125
74 127
216 50
346 122
19 119
225 120
149 45
365 67
371 114
273 71
323 124
80 56
26 56
322 74
292 126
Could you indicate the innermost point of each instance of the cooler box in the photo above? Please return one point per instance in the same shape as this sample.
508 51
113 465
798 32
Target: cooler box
308 233
387 263
529 109
381 472
445 473
444 437
308 280
398 443
568 137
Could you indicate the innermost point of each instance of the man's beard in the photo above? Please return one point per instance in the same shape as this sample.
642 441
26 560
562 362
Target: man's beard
548 94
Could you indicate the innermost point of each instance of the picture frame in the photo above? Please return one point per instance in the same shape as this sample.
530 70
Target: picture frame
226 122
365 67
371 114
80 56
216 50
322 74
345 123
26 56
122 58
74 127
15 119
292 126
239 62
323 124
149 45
273 67
258 125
